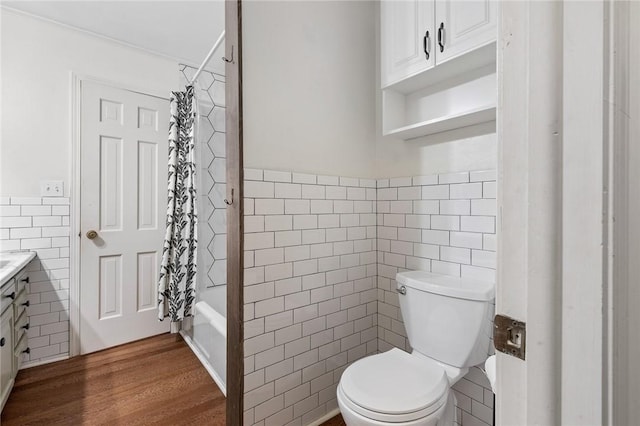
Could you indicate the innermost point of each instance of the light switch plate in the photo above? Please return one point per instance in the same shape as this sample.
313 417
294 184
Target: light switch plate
51 188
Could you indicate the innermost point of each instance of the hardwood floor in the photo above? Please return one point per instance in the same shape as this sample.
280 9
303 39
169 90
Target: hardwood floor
334 421
156 381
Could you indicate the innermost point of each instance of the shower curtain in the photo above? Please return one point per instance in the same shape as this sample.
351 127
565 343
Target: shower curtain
177 282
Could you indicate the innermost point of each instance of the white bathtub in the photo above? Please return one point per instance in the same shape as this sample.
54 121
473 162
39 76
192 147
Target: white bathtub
207 338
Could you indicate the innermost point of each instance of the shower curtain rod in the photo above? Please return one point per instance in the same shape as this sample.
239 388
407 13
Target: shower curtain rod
208 58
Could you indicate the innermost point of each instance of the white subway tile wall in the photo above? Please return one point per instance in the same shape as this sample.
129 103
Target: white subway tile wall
445 224
321 254
310 291
42 225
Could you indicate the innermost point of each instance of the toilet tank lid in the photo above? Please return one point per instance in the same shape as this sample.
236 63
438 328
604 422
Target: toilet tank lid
462 288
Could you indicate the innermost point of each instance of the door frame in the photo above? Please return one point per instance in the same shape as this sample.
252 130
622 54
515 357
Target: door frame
621 378
235 214
559 160
75 96
529 126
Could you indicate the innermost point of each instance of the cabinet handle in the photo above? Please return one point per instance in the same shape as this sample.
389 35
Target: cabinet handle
2 342
441 36
27 351
27 304
12 296
426 44
25 280
26 327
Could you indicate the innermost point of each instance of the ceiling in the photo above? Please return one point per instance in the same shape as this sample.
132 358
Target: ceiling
183 30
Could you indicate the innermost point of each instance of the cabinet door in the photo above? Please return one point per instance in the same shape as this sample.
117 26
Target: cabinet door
6 353
405 24
463 26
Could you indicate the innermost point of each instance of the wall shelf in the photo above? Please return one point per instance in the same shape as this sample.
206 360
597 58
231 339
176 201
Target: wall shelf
443 124
464 100
457 93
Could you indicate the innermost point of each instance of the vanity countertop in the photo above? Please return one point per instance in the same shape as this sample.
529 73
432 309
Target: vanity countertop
12 262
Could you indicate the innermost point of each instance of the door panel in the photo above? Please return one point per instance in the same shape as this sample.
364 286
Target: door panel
147 185
123 198
110 287
110 184
147 281
467 26
404 26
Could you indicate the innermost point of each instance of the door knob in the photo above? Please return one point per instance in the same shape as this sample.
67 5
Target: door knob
92 234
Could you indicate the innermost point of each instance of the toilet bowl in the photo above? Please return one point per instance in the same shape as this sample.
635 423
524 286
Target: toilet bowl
396 388
447 319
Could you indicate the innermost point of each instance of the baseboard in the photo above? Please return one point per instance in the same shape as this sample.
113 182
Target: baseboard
204 362
331 414
46 361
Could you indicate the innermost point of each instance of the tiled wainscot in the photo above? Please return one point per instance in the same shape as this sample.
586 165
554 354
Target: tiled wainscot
310 291
445 224
41 225
321 254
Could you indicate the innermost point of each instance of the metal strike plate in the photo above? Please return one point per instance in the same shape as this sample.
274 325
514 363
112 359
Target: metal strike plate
510 336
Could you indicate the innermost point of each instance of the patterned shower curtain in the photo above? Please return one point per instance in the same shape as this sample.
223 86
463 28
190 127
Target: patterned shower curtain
177 282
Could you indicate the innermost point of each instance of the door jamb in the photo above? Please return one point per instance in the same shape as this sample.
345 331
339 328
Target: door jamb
235 211
529 206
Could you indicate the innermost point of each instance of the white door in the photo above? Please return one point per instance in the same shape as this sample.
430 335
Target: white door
123 199
462 26
407 31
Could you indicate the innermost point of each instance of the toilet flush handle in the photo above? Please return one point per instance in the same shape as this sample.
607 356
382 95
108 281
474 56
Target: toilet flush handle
402 290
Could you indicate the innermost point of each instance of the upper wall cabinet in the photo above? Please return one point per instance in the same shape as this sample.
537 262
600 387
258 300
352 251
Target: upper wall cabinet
407 42
438 65
463 26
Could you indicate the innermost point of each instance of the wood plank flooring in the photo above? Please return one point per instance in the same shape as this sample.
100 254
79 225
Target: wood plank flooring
335 421
155 381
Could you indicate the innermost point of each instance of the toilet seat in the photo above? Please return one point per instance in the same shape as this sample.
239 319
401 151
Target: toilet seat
394 387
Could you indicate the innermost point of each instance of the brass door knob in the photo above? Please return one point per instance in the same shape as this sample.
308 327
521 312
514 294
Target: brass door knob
92 234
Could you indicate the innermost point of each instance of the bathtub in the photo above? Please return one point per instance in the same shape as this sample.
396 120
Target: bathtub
207 338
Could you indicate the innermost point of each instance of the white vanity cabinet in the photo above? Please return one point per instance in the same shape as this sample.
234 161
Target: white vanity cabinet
437 65
7 341
20 319
14 319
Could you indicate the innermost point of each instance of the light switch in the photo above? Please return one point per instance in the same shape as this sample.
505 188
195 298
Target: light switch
52 188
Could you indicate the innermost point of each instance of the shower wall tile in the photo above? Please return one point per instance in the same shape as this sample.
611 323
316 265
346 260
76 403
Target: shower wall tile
310 290
211 157
41 224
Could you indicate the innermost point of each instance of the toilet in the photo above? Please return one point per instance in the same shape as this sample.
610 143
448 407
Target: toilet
448 323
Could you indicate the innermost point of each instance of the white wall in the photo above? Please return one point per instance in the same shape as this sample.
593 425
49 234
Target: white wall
37 59
309 92
471 149
312 101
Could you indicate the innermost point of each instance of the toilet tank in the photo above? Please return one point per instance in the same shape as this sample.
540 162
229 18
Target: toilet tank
447 318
